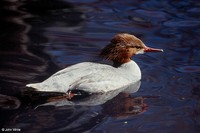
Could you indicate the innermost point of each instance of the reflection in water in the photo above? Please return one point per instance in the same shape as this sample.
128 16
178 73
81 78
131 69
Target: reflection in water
22 44
15 58
124 106
87 110
9 102
49 118
23 38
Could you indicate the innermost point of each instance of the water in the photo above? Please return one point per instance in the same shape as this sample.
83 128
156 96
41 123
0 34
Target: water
39 38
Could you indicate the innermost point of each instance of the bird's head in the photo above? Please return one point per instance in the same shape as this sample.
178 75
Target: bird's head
123 46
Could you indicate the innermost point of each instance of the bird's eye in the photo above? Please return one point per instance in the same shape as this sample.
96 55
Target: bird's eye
138 47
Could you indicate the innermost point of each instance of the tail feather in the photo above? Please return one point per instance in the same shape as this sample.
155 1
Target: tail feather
47 87
31 85
38 87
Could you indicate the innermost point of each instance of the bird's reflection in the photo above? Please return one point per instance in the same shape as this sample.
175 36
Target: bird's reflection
124 105
119 103
87 109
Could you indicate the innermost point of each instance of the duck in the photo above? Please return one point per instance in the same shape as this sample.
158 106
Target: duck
94 77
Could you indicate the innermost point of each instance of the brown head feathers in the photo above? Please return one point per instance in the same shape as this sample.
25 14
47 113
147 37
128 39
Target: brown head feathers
121 48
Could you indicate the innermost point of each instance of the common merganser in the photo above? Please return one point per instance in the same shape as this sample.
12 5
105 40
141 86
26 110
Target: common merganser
95 77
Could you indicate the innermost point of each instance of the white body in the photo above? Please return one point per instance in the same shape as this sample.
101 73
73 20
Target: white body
91 77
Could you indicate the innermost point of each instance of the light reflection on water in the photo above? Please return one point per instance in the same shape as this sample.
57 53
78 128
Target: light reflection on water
58 34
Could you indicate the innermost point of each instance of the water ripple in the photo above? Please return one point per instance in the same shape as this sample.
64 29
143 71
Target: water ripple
182 23
39 37
188 69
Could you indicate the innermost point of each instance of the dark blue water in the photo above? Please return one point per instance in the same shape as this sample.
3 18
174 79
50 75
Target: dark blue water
38 38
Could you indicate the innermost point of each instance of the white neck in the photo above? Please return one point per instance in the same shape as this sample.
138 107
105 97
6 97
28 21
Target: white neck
131 69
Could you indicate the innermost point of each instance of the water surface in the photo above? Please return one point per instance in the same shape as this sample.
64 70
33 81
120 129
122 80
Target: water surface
41 37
